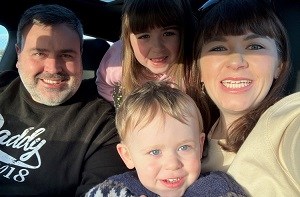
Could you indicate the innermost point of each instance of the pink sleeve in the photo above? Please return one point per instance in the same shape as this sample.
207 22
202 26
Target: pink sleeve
109 72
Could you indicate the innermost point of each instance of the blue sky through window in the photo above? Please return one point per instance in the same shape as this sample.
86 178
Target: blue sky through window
3 37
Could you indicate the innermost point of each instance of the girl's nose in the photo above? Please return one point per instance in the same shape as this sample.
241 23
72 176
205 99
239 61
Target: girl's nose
157 42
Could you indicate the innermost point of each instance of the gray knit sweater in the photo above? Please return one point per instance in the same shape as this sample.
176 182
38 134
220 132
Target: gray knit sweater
213 184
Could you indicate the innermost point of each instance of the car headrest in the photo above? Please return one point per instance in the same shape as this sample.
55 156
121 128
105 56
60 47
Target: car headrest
93 51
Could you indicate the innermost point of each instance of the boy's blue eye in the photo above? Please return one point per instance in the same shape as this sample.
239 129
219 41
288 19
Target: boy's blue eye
184 147
155 152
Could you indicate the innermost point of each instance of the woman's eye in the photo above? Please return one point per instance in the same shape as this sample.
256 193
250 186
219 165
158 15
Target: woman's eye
155 152
219 48
255 47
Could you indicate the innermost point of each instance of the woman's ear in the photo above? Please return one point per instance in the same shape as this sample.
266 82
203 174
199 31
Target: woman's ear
125 155
278 71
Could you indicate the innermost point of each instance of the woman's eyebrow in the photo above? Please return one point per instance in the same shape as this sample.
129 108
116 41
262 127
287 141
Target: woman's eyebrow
253 36
216 38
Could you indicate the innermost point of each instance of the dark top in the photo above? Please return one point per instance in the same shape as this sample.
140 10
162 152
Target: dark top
55 150
213 184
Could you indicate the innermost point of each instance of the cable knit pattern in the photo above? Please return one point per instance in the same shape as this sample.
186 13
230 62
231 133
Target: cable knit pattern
214 184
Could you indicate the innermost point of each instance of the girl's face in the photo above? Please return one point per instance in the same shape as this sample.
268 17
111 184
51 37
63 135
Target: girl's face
238 71
156 49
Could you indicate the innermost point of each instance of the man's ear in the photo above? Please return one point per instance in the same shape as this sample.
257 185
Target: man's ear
18 50
125 155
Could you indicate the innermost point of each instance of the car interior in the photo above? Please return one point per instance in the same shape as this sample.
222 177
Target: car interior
101 21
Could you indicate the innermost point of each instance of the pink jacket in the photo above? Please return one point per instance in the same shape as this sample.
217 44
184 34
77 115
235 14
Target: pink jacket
109 73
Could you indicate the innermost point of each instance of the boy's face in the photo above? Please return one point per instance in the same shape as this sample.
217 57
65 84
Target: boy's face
166 154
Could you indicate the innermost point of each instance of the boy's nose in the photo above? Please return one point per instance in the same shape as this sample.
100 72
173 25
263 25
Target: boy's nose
172 162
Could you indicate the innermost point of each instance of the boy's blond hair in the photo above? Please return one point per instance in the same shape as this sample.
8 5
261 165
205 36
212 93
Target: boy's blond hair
154 97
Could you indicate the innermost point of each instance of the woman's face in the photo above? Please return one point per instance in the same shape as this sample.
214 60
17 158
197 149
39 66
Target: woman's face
238 71
156 49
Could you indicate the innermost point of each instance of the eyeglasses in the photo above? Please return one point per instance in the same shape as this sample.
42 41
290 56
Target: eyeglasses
207 6
211 3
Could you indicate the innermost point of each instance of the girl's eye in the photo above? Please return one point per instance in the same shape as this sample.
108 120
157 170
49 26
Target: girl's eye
169 33
184 148
143 36
255 47
155 152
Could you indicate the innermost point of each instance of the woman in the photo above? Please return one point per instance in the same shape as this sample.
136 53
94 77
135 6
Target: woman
242 56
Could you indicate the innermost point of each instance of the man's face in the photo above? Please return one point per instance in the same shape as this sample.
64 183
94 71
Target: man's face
49 63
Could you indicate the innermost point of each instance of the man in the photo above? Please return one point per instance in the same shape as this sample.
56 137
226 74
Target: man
57 137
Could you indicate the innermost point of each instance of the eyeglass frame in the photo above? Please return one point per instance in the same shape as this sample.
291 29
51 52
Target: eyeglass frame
211 3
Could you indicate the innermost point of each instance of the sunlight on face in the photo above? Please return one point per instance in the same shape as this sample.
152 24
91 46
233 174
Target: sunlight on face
156 49
49 63
166 154
238 71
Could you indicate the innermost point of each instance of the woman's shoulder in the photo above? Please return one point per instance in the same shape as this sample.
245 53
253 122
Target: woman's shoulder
271 151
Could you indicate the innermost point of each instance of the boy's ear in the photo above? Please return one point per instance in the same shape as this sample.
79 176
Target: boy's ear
125 155
201 139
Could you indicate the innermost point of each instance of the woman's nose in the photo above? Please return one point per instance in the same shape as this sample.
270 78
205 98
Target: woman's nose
237 61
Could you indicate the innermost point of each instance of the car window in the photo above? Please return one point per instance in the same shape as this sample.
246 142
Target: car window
3 40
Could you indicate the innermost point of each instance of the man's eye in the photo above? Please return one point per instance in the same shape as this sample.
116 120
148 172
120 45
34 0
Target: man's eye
39 54
66 56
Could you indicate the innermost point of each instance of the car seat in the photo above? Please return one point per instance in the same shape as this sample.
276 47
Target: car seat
93 51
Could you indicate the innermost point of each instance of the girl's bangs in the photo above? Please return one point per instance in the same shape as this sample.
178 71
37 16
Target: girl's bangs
144 19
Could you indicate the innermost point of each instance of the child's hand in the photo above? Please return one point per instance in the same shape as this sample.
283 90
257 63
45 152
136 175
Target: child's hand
164 77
